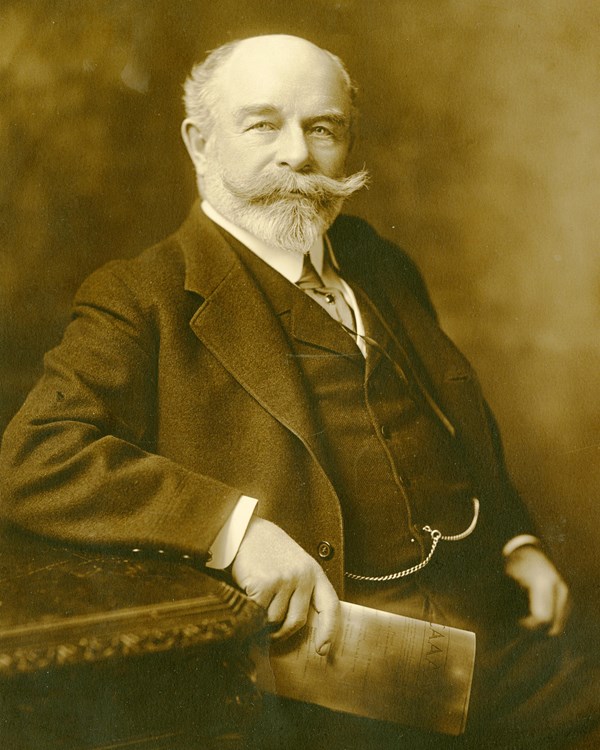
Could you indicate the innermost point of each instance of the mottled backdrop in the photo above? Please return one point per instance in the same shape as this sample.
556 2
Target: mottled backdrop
480 126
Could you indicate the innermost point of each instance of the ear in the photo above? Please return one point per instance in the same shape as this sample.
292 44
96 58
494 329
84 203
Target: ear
195 142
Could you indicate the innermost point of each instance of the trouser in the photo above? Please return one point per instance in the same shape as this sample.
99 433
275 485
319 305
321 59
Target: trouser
529 691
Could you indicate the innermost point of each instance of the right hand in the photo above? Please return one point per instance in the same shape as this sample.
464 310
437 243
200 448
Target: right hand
278 574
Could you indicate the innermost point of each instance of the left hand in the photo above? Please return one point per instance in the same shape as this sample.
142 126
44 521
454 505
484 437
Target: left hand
548 594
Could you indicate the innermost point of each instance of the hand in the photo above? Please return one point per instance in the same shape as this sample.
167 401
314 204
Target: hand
278 574
547 592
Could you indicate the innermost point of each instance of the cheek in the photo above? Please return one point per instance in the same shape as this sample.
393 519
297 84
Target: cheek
240 157
332 161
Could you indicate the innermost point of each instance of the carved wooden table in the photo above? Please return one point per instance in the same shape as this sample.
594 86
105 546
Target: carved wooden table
104 651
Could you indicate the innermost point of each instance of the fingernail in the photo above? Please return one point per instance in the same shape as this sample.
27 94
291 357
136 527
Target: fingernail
324 650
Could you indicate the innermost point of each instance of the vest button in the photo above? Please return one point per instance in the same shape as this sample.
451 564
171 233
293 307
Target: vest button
385 432
325 550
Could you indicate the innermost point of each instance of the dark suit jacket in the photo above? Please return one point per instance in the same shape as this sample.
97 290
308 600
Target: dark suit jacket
171 394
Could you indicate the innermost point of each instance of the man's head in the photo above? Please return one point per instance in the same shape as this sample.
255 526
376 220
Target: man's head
268 128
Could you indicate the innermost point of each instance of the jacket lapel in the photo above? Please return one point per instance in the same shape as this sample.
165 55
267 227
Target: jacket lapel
313 325
238 326
443 372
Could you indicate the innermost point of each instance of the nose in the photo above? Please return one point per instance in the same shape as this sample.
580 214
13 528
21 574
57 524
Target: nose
292 148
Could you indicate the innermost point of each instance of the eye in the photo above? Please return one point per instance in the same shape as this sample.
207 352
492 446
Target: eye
322 131
262 127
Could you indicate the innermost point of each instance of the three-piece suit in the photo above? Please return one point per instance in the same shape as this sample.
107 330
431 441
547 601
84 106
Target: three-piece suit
193 374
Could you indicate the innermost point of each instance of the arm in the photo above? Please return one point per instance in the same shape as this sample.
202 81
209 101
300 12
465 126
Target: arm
79 462
526 563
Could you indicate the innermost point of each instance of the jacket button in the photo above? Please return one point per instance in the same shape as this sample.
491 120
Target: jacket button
325 550
385 432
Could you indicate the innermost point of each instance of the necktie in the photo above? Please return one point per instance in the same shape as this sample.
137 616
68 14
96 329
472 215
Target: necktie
331 299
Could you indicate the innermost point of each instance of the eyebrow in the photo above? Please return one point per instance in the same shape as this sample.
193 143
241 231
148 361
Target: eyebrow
333 116
254 109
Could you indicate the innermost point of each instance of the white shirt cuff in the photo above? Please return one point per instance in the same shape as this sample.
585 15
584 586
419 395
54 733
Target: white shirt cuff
519 541
227 542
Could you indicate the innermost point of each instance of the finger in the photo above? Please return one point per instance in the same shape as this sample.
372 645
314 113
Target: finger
278 608
562 609
541 607
327 605
297 613
262 594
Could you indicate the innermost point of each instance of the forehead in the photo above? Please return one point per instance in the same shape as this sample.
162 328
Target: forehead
298 80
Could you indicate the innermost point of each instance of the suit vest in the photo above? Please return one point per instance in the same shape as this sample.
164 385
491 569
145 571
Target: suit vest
394 464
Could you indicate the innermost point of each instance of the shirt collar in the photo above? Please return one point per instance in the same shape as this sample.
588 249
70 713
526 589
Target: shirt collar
288 264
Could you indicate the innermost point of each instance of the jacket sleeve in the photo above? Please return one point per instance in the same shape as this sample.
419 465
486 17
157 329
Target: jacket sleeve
78 460
512 516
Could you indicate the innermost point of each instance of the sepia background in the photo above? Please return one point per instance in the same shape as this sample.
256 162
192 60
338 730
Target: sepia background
480 126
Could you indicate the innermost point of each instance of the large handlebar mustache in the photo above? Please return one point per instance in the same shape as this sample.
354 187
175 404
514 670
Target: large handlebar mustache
272 186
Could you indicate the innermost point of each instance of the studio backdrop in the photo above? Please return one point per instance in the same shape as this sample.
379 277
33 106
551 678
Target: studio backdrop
479 125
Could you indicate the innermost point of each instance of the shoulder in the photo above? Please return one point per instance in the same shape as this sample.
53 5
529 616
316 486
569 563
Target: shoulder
371 254
140 298
129 300
192 259
147 276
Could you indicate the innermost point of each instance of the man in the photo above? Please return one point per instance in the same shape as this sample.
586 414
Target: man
268 390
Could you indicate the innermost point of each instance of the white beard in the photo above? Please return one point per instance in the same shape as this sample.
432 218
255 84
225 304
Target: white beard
288 220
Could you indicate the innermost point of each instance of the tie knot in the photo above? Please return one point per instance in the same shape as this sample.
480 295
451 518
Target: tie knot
330 298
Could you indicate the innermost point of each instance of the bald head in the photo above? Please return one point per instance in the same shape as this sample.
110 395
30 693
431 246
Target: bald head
278 57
